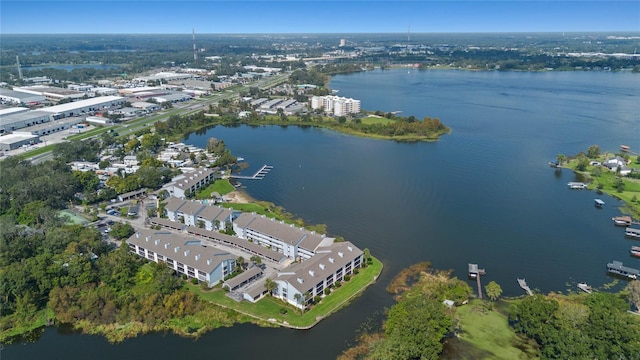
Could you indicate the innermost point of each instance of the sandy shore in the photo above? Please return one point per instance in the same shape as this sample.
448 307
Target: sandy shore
238 196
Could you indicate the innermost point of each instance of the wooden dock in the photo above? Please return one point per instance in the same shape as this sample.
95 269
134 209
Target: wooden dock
475 273
259 175
524 286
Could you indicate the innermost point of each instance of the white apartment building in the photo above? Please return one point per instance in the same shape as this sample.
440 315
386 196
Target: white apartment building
184 255
336 105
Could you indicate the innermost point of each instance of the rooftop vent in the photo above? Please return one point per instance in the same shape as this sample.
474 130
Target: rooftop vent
321 266
157 242
208 261
340 254
147 238
176 249
166 246
350 248
331 260
137 235
186 253
300 280
312 273
197 257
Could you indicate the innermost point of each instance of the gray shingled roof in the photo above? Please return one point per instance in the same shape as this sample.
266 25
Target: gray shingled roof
239 279
167 223
326 262
232 240
174 203
191 208
287 233
185 250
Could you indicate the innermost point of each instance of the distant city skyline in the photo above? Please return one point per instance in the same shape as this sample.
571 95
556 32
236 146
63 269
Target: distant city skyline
302 16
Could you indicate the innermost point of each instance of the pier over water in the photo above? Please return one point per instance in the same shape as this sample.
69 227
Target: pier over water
259 175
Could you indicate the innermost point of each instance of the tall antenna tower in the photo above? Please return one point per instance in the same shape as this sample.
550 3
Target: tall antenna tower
195 53
19 68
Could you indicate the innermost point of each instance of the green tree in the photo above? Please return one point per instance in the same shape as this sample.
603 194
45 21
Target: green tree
270 285
560 159
633 290
493 290
415 328
593 151
121 230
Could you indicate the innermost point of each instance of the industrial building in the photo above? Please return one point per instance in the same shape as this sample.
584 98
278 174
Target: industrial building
20 97
16 140
22 119
85 107
51 93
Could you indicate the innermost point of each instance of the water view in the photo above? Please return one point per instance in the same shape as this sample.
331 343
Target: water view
482 194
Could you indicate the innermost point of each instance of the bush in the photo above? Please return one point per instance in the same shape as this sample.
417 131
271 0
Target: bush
327 291
283 311
194 281
338 284
347 277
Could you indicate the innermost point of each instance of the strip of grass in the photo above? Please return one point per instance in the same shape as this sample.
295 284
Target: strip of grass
270 308
488 332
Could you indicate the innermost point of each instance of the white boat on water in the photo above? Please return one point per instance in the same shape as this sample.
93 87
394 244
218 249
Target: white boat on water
584 287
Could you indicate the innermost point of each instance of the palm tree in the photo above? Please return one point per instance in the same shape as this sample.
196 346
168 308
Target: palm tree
300 299
270 285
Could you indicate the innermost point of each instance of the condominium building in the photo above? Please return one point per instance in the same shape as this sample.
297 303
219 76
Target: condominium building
185 255
301 282
192 213
294 242
336 105
188 183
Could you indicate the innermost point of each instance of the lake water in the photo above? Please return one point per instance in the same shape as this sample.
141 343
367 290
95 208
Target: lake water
482 194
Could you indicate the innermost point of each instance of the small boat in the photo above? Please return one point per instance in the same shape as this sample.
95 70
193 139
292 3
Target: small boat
635 251
621 220
599 202
632 233
576 185
554 164
584 287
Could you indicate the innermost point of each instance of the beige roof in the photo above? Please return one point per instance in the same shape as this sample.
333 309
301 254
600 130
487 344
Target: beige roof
188 251
317 268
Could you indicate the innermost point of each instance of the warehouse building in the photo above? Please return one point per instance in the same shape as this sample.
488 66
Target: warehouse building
19 120
20 97
16 140
85 107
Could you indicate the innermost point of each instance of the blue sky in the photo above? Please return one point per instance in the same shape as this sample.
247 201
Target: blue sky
328 16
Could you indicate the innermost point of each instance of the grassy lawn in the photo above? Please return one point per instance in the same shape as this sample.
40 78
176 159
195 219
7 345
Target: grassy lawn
598 176
221 186
486 333
270 308
375 120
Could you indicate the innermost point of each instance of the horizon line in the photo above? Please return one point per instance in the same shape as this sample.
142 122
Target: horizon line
342 33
